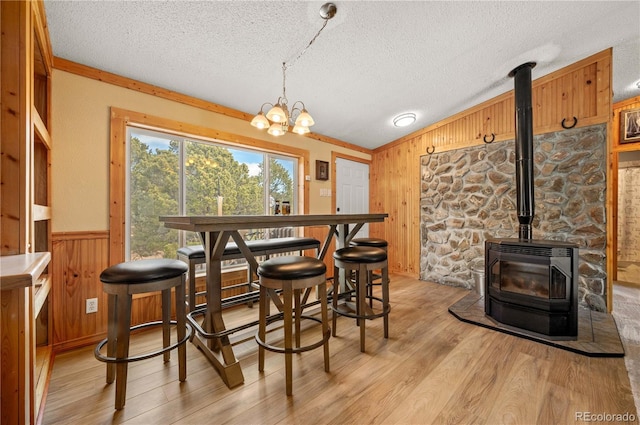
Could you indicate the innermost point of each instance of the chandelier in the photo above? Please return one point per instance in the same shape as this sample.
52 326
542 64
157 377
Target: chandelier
279 118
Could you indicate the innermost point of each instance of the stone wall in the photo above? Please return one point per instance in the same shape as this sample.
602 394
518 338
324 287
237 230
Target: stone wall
469 195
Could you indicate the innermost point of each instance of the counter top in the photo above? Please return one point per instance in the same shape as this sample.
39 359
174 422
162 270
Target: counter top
22 270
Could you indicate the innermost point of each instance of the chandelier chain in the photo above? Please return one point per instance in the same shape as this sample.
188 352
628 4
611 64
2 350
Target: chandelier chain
294 60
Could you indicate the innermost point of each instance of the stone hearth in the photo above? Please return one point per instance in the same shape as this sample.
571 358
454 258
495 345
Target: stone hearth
597 332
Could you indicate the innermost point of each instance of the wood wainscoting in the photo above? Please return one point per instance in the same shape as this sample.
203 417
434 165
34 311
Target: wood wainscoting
78 258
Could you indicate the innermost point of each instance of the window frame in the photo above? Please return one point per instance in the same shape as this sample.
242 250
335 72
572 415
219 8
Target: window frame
118 152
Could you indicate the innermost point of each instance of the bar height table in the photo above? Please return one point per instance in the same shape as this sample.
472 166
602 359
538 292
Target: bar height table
215 232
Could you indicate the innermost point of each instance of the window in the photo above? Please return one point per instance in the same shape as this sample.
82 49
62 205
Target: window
173 175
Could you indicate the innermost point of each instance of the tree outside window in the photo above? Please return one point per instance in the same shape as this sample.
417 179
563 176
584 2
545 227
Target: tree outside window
169 175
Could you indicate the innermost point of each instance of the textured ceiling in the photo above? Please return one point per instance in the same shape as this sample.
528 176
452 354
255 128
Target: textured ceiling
374 59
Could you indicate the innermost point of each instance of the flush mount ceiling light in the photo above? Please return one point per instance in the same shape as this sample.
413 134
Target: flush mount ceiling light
279 118
404 120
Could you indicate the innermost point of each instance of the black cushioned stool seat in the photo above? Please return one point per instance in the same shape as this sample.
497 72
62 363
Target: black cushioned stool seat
362 260
194 255
120 282
291 275
376 242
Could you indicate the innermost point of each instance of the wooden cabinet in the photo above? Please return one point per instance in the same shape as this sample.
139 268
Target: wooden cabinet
25 70
22 277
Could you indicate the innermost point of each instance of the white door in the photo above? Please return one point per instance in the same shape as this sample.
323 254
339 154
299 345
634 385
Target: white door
352 190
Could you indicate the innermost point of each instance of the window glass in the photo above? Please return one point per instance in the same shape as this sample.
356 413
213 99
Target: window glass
171 175
154 182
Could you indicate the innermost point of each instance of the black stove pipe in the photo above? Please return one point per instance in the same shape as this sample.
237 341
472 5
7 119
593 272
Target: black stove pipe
524 148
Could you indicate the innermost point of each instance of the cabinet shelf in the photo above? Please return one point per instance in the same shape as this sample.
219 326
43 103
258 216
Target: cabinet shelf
40 128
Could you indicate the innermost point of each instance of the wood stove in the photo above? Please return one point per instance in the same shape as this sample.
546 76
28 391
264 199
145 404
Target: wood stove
532 285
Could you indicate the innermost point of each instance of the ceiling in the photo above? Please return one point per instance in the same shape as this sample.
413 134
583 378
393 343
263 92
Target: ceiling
373 61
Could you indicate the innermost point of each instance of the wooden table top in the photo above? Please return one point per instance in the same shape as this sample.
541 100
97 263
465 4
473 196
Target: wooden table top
206 223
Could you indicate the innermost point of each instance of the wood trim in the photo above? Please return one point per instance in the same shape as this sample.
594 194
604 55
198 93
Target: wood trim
117 191
139 86
334 156
42 33
74 236
612 224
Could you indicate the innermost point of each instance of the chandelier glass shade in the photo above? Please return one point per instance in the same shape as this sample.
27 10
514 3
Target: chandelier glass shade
278 118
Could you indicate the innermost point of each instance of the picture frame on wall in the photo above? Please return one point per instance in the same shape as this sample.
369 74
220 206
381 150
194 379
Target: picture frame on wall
630 125
322 170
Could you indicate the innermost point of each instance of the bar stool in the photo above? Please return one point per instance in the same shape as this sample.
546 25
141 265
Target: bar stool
375 242
291 275
192 256
373 276
362 260
123 280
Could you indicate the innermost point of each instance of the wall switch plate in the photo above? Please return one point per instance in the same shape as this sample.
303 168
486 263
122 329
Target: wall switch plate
92 305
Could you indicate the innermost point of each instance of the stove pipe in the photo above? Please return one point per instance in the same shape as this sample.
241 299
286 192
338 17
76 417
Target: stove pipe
524 148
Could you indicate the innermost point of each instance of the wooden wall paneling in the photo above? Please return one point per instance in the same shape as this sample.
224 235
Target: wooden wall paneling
541 93
586 92
510 123
58 294
14 122
78 259
566 99
502 117
580 87
485 123
604 87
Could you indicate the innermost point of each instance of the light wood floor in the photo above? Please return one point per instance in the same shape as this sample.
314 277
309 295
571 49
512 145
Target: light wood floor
432 369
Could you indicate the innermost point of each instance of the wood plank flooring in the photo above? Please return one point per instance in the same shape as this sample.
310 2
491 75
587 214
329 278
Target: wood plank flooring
433 369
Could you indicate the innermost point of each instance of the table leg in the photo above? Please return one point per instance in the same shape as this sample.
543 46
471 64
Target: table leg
224 359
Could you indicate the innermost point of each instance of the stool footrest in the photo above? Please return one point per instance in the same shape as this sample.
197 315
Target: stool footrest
295 350
348 313
99 356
